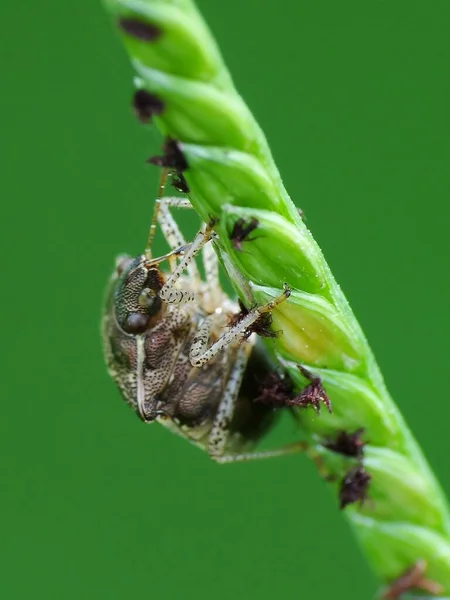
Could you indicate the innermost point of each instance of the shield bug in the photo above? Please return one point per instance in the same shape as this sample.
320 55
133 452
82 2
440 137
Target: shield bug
176 352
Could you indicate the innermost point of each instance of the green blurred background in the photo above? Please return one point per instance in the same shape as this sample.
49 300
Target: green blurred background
354 98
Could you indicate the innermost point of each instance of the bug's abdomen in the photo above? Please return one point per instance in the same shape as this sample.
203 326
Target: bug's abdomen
196 391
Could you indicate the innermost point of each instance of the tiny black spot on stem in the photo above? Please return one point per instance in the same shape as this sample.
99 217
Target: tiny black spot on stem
146 105
172 157
347 444
241 231
354 486
146 32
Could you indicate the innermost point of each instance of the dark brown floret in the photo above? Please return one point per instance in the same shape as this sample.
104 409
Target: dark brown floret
313 394
146 105
354 486
262 326
179 183
275 391
347 444
241 230
146 32
172 157
412 579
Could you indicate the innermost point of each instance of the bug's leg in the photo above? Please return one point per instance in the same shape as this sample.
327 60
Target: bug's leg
172 233
262 454
169 292
218 437
170 256
170 229
211 265
164 218
199 354
162 207
172 260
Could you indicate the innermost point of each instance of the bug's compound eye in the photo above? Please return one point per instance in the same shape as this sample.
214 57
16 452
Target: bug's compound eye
136 323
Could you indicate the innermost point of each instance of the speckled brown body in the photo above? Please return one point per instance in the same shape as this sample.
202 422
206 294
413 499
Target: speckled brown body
147 345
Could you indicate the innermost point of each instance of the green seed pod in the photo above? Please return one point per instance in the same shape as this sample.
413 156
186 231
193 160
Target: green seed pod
160 45
312 331
391 545
198 113
294 259
230 177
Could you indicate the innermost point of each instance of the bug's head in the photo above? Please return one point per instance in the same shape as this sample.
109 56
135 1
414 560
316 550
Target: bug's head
136 301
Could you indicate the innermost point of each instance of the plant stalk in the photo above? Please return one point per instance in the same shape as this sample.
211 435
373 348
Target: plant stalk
232 178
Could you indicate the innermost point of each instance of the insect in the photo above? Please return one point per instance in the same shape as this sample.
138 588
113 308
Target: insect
176 352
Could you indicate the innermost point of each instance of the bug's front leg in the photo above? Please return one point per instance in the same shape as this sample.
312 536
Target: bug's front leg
170 229
169 292
176 240
200 354
211 266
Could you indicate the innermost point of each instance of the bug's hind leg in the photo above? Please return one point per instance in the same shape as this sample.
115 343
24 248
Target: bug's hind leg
214 292
219 436
293 448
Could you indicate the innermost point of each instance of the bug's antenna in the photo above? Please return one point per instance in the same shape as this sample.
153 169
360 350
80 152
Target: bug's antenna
153 224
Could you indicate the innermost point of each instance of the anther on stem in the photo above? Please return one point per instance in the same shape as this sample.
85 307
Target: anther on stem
347 444
241 231
313 394
146 105
275 390
145 32
354 486
172 157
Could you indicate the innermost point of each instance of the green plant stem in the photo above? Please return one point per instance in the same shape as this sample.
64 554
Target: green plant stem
232 176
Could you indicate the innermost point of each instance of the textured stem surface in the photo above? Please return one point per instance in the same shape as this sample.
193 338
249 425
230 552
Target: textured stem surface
232 177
